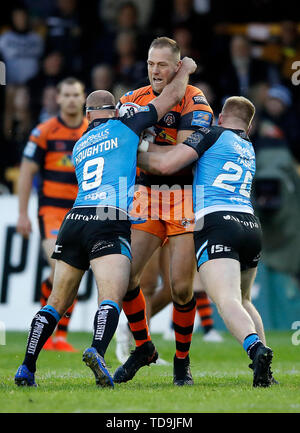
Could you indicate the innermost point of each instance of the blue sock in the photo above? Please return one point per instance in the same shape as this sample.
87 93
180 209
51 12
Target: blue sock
251 343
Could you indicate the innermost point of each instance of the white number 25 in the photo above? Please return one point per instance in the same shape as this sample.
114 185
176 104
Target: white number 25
221 180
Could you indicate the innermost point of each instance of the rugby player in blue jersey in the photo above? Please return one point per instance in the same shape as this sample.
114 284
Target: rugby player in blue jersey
227 234
96 231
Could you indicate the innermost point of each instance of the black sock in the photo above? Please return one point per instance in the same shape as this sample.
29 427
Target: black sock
42 327
253 349
251 343
105 324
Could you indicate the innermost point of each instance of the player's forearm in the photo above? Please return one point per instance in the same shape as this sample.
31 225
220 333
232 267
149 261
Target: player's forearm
24 189
175 90
156 148
150 161
156 163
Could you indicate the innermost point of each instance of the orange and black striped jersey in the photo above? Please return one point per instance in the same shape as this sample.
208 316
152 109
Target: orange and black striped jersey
50 145
192 112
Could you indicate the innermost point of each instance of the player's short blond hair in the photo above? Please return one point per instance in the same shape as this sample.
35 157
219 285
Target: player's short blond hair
239 107
163 42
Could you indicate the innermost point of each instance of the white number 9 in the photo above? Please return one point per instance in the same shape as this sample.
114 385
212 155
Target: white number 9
97 165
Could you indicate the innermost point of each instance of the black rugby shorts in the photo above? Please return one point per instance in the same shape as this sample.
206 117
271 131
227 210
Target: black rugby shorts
231 235
84 236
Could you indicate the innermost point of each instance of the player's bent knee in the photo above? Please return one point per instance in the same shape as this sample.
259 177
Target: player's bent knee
181 293
148 289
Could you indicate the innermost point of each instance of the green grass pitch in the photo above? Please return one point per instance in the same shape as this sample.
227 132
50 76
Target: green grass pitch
223 381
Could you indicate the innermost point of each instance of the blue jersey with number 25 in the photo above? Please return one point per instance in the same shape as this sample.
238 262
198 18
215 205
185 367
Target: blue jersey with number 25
224 171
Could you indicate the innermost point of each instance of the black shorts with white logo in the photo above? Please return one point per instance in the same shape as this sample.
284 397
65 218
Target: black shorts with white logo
231 235
85 235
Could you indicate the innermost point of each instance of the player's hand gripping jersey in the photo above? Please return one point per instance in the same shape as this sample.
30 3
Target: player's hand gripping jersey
224 171
105 160
193 111
169 213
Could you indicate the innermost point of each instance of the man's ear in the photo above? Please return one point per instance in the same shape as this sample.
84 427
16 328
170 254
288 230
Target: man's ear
179 63
220 119
88 116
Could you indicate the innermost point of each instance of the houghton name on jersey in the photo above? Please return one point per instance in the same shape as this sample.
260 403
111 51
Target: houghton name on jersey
224 171
105 160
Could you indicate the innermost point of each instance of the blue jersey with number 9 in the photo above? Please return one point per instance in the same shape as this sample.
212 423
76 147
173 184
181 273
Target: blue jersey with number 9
224 171
105 160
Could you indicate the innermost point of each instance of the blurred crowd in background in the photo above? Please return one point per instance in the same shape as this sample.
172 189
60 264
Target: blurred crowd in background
241 48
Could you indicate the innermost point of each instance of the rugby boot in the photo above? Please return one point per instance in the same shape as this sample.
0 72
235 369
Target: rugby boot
97 364
181 372
143 355
262 374
24 377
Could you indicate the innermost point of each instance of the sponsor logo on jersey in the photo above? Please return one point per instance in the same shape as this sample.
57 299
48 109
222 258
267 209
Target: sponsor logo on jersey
246 154
200 99
129 93
96 196
60 145
92 138
144 108
201 118
30 148
65 161
169 119
166 137
194 139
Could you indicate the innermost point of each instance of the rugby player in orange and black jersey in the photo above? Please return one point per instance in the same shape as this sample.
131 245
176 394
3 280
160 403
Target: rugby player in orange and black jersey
168 213
192 111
